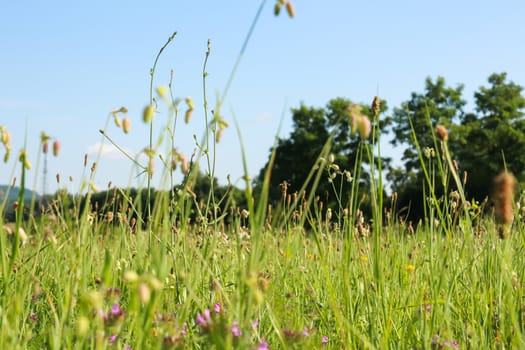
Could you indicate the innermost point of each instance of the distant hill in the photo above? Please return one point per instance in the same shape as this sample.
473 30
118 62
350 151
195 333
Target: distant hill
13 192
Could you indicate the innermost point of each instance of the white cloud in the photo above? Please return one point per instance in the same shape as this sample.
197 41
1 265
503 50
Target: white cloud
108 151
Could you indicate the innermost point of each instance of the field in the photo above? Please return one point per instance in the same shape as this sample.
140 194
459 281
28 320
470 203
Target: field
174 270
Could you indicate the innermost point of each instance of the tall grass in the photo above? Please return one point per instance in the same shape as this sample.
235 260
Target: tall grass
179 273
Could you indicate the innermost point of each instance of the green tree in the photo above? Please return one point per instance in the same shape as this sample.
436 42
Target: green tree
296 155
493 138
438 104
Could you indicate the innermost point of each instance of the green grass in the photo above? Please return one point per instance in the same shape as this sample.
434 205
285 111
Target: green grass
192 277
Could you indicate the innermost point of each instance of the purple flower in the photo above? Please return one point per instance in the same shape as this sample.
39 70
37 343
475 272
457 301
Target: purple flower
305 332
116 311
255 324
324 339
127 347
263 346
112 338
204 320
217 308
184 329
236 331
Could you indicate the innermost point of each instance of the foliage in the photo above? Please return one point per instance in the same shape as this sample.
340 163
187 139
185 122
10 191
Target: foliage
482 142
314 128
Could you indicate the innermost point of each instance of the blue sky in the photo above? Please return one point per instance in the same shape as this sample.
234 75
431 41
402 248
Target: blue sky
65 65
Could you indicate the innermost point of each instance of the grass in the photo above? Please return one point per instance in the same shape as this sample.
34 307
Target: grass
178 273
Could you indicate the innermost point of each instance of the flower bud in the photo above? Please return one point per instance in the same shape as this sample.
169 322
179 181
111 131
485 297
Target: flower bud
45 147
187 116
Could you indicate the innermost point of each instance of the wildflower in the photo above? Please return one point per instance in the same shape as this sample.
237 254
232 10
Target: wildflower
410 267
236 331
184 329
263 346
217 308
324 339
441 133
112 338
204 320
305 332
255 324
56 148
116 311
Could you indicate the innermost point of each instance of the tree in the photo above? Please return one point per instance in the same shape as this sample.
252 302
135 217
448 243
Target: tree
493 138
438 104
296 155
483 142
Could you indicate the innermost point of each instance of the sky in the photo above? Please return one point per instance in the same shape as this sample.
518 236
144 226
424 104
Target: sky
65 65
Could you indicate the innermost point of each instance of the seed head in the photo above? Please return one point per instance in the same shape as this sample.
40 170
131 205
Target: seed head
56 148
126 125
442 133
290 9
118 123
149 112
162 91
6 137
277 8
376 104
364 127
503 195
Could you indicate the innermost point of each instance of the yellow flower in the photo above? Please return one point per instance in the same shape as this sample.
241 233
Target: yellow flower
410 267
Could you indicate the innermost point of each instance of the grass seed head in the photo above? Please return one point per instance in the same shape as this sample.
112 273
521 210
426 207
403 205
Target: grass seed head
376 104
503 195
442 133
126 125
148 113
290 9
56 148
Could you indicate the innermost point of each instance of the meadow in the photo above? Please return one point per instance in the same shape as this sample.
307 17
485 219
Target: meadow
175 271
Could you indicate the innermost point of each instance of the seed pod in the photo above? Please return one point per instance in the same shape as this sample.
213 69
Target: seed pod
147 115
126 125
56 148
45 147
290 9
